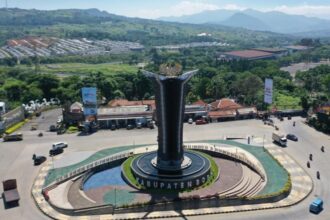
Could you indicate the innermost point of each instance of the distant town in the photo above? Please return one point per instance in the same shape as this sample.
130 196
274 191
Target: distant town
45 47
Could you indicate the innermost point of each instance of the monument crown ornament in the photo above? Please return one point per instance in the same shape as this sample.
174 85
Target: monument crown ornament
170 69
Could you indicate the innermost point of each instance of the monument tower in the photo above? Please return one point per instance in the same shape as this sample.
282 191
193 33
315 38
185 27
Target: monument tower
171 167
170 105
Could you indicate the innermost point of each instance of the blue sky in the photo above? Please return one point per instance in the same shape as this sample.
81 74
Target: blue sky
158 8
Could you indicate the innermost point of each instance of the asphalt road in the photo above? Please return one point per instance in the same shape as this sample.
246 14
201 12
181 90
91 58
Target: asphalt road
16 159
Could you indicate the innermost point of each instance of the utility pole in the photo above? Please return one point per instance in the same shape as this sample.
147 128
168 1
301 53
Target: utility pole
115 197
6 4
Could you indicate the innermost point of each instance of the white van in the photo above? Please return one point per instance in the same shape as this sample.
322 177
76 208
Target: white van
60 145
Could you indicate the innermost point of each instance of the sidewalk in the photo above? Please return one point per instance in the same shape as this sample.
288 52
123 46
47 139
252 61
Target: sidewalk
302 185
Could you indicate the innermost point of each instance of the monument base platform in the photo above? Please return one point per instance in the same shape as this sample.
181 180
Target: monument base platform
195 174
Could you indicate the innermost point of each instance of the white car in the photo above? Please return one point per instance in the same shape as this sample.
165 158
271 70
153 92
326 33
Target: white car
190 121
60 145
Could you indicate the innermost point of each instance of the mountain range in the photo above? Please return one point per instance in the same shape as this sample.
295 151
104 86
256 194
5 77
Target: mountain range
94 24
256 20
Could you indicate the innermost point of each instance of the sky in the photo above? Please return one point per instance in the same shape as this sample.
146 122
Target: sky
164 8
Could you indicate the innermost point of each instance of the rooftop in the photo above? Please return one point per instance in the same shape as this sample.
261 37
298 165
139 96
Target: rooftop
225 104
297 47
200 102
249 53
125 102
270 49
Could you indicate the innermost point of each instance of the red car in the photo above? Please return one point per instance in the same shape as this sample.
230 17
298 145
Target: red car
200 122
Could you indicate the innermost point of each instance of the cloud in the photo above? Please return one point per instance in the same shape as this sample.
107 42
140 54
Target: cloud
189 7
321 11
233 7
182 8
185 8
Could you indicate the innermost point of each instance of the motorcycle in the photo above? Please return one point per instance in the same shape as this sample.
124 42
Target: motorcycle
322 148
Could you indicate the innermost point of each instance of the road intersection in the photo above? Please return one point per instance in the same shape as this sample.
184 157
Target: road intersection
16 159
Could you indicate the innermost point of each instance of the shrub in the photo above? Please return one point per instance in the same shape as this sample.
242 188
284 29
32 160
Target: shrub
15 127
72 129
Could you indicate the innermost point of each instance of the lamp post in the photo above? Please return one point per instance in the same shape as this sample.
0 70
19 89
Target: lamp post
263 142
115 197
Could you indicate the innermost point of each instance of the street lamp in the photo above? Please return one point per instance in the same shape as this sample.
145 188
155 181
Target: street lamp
263 142
115 197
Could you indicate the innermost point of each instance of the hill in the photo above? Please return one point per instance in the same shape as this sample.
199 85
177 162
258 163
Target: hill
256 20
96 24
246 21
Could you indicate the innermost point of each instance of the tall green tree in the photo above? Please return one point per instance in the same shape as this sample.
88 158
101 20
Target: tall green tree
47 83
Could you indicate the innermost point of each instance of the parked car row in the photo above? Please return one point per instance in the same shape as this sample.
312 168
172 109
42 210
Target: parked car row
129 126
200 121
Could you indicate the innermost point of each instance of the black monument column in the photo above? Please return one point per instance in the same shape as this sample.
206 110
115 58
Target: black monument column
170 104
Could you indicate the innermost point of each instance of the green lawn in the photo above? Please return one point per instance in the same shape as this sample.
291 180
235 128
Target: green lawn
287 102
83 68
57 172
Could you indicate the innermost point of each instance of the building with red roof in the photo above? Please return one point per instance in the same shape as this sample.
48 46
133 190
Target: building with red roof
225 104
228 109
247 55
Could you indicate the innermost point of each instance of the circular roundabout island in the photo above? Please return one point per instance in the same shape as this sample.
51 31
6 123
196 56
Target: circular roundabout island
194 171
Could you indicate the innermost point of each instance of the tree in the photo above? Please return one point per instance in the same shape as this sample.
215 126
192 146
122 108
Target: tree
247 87
142 86
305 103
155 57
202 87
14 90
119 94
107 88
208 72
218 87
47 83
66 94
32 93
326 83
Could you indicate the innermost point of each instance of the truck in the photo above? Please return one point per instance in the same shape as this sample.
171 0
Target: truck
316 206
10 194
279 139
13 137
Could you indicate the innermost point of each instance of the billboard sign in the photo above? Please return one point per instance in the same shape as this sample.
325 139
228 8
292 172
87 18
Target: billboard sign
90 111
268 93
89 99
89 96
